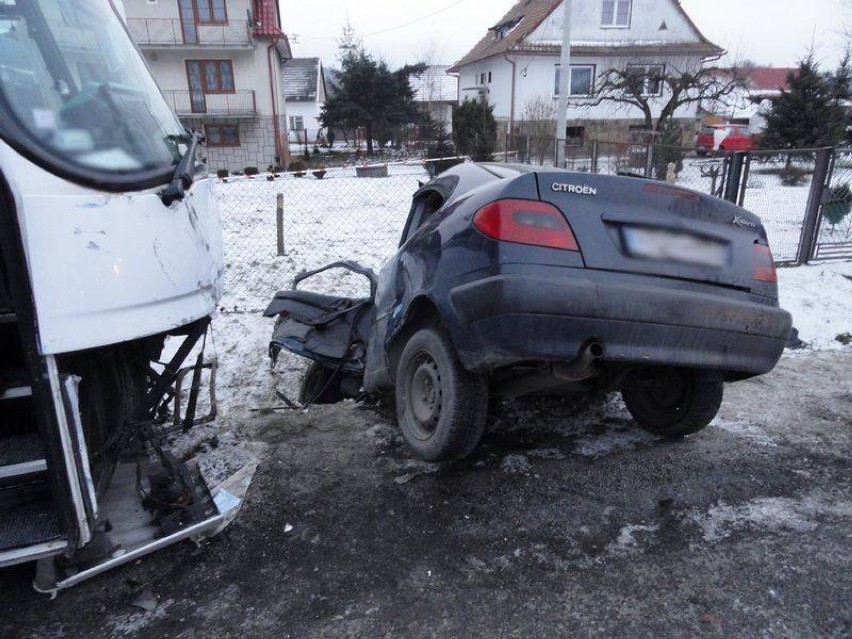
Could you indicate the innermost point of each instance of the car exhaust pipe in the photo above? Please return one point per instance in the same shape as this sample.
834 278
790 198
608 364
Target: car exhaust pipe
553 376
583 367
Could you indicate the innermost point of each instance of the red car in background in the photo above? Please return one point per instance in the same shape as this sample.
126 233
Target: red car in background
725 138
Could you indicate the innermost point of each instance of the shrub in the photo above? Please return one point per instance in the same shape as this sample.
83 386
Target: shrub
475 130
297 166
839 204
222 173
669 150
250 170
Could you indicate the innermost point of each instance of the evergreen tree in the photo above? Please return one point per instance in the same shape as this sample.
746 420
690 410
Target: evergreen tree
475 130
808 113
370 95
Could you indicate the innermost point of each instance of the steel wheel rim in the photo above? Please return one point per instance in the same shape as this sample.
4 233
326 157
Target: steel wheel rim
425 396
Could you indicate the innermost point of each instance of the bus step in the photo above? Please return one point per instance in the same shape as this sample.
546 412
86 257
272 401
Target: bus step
21 455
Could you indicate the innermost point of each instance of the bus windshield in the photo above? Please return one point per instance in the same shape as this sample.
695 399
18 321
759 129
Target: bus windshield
77 87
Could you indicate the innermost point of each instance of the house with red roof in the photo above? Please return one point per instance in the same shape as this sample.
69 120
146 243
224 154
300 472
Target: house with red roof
516 63
749 104
218 63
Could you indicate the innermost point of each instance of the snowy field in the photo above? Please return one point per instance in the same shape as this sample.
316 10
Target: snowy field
340 217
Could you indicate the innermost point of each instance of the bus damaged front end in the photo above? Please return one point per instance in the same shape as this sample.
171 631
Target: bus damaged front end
111 264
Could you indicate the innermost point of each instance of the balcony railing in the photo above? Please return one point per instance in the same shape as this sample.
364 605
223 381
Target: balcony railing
196 103
167 32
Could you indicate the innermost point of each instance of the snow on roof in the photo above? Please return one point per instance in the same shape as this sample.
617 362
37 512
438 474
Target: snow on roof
300 78
434 85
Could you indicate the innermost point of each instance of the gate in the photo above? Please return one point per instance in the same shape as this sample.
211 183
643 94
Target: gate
833 237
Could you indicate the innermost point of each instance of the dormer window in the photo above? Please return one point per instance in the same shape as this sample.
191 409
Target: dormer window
616 13
502 30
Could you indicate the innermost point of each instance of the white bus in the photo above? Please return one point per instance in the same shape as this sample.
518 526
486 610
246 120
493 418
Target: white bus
110 246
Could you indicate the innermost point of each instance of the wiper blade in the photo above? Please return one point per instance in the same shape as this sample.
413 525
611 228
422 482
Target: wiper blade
184 174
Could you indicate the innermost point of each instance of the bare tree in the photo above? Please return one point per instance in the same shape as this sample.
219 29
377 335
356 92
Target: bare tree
667 83
540 121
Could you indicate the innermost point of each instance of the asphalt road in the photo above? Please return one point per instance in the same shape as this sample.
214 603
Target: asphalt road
568 522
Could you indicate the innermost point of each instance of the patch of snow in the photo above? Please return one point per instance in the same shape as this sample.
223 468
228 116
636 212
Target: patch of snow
744 429
134 623
773 514
626 539
611 441
819 297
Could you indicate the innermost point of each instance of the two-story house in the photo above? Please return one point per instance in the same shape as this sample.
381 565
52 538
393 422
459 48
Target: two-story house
517 62
218 62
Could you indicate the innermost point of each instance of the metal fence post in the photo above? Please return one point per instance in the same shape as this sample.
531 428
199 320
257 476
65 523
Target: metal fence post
819 190
594 156
279 222
734 177
649 161
744 185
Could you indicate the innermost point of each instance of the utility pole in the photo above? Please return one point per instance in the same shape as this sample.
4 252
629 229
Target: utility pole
564 84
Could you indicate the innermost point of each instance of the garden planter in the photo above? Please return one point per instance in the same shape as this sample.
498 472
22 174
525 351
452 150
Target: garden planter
372 171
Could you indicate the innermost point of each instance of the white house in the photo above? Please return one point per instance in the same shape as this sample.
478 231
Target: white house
303 85
517 62
218 65
436 92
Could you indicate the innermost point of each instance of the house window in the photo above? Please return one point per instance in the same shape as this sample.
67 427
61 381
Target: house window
646 79
582 80
485 78
210 11
210 76
297 123
575 135
616 13
222 134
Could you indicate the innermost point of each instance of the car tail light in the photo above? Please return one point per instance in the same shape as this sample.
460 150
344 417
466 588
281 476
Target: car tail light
525 222
764 265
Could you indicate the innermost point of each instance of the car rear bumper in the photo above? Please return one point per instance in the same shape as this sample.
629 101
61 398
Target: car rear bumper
507 319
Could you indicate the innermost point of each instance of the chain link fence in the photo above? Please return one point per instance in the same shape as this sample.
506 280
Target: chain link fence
778 186
277 226
834 238
339 216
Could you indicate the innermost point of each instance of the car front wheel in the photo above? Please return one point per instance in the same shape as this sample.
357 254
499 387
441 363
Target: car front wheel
673 402
440 406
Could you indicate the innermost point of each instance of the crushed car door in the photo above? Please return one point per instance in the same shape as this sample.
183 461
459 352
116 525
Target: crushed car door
330 329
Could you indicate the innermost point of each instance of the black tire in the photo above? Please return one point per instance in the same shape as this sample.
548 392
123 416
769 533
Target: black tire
440 407
673 403
318 387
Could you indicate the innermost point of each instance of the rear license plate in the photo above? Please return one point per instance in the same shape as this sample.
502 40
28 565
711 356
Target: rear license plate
674 246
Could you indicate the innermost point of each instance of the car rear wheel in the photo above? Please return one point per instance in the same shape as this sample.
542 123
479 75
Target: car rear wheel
673 402
440 407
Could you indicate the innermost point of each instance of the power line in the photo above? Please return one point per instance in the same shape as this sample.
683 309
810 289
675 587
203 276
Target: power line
408 24
388 30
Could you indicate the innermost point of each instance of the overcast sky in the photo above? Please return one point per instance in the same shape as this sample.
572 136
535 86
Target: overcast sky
768 32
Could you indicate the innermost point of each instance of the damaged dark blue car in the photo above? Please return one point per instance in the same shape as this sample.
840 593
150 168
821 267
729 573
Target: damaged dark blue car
512 280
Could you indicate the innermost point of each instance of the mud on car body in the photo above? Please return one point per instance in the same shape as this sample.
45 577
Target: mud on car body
512 281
